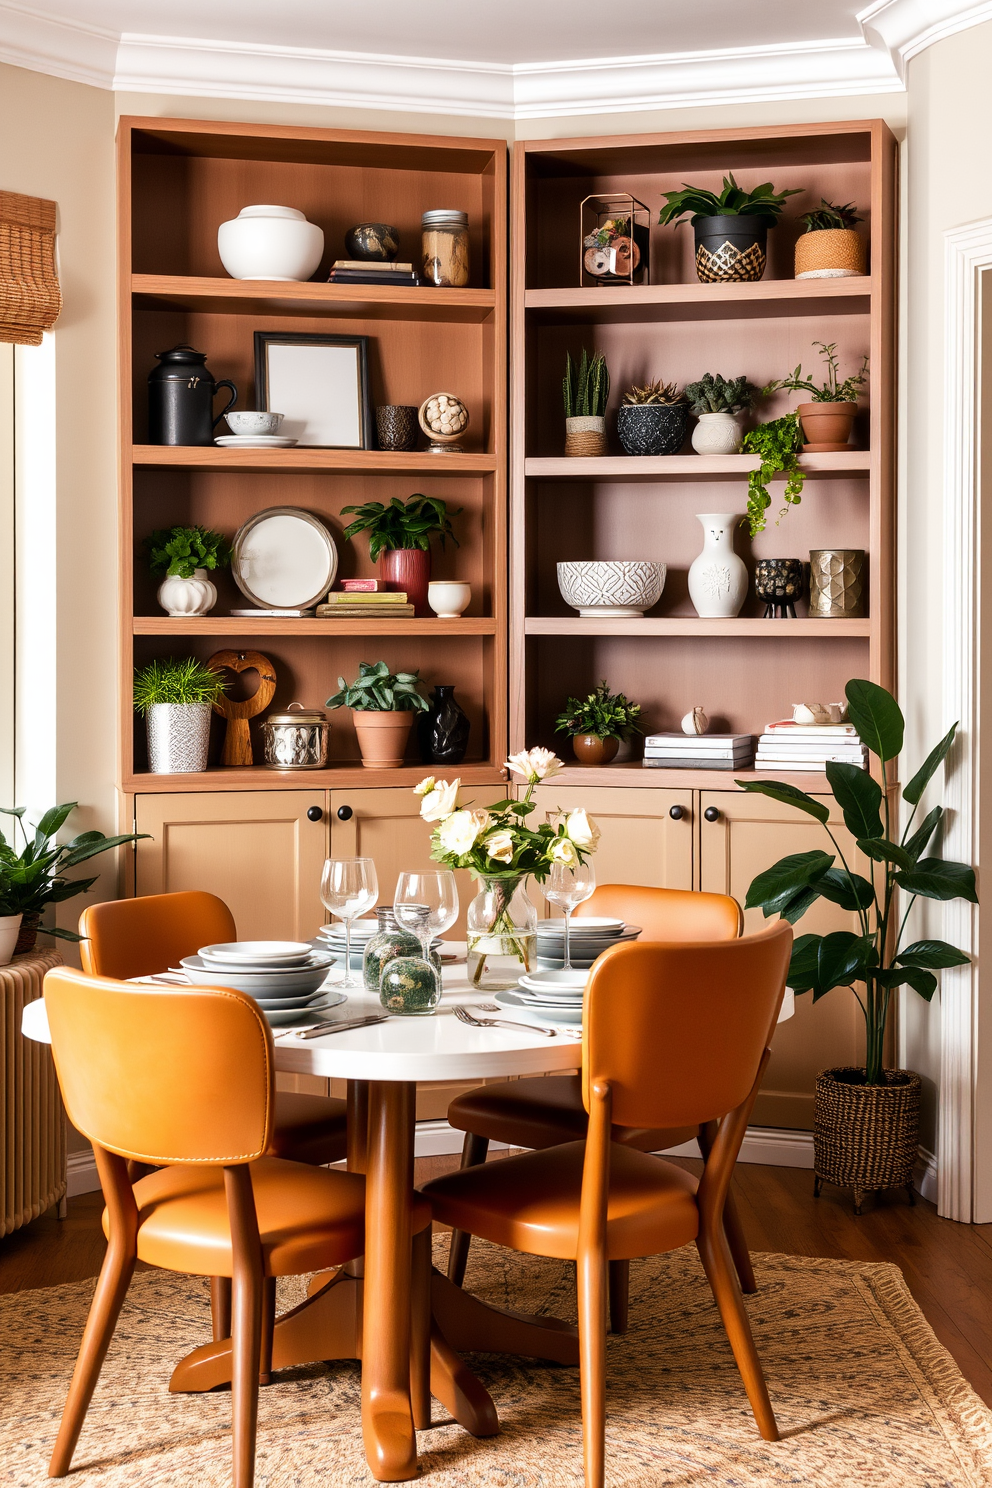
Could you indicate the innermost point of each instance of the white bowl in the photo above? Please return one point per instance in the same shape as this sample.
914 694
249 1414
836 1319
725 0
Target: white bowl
265 242
448 597
260 954
615 588
246 421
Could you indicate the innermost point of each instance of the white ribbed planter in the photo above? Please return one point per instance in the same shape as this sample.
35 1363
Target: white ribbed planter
717 434
195 596
10 926
178 734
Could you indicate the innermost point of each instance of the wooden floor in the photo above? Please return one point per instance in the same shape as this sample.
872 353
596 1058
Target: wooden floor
947 1266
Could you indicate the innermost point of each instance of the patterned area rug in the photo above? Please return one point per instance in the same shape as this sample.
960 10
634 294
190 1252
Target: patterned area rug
864 1393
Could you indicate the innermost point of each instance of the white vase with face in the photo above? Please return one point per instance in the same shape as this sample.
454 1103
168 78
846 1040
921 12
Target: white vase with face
718 578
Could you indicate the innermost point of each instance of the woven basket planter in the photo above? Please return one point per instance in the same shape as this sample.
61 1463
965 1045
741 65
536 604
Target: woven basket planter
832 253
585 436
866 1137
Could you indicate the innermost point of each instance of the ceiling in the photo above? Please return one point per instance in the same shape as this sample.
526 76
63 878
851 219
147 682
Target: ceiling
512 59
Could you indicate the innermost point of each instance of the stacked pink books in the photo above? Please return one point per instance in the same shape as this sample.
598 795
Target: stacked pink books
786 746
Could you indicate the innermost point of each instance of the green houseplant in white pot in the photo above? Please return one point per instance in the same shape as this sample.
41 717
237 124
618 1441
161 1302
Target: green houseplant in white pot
186 556
718 402
866 1119
382 704
176 698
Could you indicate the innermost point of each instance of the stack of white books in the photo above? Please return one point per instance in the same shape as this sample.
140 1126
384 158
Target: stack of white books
788 746
698 751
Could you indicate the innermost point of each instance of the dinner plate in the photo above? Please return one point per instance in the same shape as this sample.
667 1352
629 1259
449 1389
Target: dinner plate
600 937
538 980
561 1016
263 955
254 441
280 1018
312 999
585 925
298 981
366 928
284 558
536 999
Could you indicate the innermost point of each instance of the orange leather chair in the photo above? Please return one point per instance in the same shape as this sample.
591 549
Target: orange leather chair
183 1079
545 1111
651 1057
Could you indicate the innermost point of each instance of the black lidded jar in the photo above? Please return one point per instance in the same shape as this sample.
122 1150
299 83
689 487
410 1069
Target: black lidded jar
181 398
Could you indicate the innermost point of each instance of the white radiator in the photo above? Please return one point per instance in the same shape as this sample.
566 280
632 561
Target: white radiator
32 1121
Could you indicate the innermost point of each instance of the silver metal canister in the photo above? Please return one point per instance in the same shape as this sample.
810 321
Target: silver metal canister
296 739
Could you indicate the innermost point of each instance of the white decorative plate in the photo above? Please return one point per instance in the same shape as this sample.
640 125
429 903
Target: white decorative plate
284 558
255 441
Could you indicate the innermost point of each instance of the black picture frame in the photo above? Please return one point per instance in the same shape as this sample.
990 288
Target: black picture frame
281 377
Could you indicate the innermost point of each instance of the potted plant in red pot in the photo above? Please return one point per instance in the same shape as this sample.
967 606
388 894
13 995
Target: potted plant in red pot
826 421
400 535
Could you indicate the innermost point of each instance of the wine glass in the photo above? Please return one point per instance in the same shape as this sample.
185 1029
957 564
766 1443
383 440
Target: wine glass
426 903
568 887
348 888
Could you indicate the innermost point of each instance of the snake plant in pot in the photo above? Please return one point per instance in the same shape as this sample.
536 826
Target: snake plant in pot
866 1119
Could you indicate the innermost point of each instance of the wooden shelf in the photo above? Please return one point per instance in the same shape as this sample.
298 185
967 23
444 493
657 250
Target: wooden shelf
686 467
337 777
639 302
350 301
632 773
754 629
309 458
275 625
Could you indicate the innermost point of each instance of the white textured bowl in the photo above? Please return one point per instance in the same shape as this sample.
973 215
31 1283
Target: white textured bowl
448 597
245 421
616 587
265 242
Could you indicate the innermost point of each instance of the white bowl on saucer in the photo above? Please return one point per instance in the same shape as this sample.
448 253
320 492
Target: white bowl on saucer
258 953
247 421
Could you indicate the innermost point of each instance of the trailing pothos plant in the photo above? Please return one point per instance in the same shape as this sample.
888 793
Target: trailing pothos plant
777 444
873 958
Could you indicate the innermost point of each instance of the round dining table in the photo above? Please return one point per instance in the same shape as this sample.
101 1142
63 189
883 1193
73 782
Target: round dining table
367 1310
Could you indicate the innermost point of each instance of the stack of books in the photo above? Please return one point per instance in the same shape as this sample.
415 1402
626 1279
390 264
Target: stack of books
698 751
365 604
788 746
357 271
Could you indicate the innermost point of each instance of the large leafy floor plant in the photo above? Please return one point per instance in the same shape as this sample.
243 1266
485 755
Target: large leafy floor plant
871 961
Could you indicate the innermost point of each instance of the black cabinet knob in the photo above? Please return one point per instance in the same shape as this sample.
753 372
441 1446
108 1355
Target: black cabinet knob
711 814
677 813
314 813
345 813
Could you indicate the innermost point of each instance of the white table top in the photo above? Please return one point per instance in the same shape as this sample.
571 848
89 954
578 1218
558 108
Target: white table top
434 1047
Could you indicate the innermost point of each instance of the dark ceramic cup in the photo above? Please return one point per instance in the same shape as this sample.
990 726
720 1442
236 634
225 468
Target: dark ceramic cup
396 426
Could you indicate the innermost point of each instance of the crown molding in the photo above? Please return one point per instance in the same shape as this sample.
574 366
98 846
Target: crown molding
893 32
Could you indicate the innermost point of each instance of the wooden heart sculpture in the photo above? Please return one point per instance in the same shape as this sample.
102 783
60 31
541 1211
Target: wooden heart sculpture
237 740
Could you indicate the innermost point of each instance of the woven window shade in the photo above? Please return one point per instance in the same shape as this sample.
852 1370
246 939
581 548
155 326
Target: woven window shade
30 298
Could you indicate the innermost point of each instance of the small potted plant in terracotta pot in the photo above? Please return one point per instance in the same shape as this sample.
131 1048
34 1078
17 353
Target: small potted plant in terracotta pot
400 536
651 419
383 704
186 556
831 247
718 402
731 229
828 420
586 390
599 724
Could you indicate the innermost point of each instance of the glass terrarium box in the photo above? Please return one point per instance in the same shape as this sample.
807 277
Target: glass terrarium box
615 239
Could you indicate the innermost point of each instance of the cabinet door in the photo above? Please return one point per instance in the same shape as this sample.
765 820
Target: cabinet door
750 834
257 850
641 842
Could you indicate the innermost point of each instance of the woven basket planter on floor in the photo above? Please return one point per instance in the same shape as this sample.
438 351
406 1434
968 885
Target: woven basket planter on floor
866 1137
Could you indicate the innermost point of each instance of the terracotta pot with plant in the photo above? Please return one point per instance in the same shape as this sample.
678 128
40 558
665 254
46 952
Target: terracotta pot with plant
831 247
718 402
383 704
585 392
599 724
866 1119
731 229
828 420
400 536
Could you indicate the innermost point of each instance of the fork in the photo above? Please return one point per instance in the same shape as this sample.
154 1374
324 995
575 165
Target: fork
464 1016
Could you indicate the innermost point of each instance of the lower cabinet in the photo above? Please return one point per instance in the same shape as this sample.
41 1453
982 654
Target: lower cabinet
646 831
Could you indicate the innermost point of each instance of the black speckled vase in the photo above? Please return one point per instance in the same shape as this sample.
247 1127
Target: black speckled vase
779 582
651 428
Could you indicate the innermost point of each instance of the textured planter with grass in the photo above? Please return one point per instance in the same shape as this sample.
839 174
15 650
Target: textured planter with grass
176 697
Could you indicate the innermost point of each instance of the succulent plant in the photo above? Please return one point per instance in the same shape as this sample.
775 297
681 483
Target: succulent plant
828 216
586 387
714 393
654 392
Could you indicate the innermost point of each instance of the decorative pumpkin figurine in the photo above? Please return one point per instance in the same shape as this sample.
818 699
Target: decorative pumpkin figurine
695 722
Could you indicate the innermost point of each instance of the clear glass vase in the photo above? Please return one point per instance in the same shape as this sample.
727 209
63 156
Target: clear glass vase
501 934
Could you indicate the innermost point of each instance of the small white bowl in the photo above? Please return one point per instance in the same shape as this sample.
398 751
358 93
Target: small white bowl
247 422
614 588
448 597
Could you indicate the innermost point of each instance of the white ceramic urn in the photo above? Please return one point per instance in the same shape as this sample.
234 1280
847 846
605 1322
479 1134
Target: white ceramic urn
717 434
266 242
10 927
718 578
193 596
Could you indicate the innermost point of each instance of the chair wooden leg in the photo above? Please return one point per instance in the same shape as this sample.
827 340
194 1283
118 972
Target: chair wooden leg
246 1331
268 1325
619 1295
715 1255
591 1275
474 1151
731 1219
220 1307
420 1331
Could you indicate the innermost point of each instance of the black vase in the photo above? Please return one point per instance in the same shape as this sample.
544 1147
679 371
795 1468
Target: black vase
779 582
730 247
443 730
651 428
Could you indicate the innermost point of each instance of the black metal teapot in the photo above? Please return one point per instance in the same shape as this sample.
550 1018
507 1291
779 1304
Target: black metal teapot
181 398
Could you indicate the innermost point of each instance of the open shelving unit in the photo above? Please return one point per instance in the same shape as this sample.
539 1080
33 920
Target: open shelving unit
178 180
743 671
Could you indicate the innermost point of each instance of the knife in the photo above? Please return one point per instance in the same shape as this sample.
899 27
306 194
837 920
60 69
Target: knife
336 1026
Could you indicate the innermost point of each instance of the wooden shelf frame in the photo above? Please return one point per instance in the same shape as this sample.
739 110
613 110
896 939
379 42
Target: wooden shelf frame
549 653
177 179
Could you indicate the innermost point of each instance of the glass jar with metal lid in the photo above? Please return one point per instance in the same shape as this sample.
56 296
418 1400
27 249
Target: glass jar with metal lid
296 739
445 248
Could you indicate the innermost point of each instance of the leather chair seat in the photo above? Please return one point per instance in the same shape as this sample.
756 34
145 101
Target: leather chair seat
545 1112
309 1128
308 1219
530 1202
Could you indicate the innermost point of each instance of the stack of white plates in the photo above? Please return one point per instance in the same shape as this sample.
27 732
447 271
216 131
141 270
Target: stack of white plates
590 936
285 977
548 996
332 938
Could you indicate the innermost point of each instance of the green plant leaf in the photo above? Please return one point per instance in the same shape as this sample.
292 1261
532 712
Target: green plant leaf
914 790
92 849
849 890
918 842
858 795
843 957
774 888
877 717
52 820
797 906
881 850
787 795
923 982
803 963
934 879
934 955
